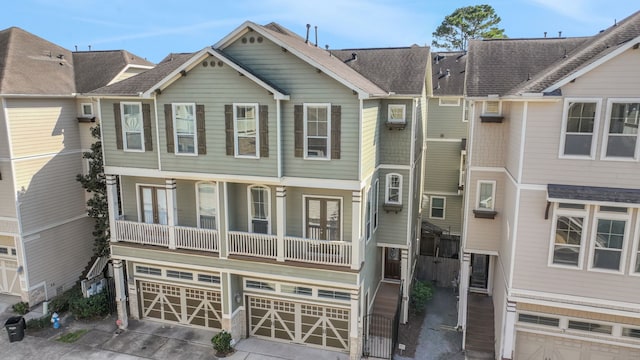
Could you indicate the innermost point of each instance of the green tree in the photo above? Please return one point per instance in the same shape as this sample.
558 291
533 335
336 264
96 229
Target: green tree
469 22
94 183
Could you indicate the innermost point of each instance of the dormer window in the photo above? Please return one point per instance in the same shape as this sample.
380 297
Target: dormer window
396 116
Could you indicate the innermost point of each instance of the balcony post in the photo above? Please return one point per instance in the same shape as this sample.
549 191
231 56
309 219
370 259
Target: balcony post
356 229
223 222
172 211
113 204
281 220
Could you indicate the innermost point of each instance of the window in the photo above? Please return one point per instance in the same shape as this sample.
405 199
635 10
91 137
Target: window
539 320
252 284
211 279
154 205
87 109
246 130
608 239
486 195
631 332
465 112
393 193
132 126
298 290
317 128
492 107
591 327
396 113
323 219
148 271
367 215
437 207
4 251
636 268
578 128
568 235
449 101
184 123
376 192
259 205
622 137
337 295
207 205
182 275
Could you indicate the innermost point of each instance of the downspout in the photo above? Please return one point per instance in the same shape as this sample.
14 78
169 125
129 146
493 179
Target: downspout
279 138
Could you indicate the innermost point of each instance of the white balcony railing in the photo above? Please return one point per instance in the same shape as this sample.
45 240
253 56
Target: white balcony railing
197 239
142 233
251 244
317 251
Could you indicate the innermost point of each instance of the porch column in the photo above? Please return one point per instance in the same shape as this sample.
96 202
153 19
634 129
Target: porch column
121 294
355 338
281 220
223 221
113 204
406 284
172 211
508 339
356 229
463 290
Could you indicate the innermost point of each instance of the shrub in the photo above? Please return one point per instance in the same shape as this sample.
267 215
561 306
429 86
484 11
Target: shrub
21 308
39 323
421 292
92 307
60 303
222 343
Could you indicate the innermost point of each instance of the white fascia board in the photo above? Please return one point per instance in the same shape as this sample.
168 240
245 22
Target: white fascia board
127 67
244 28
567 79
195 59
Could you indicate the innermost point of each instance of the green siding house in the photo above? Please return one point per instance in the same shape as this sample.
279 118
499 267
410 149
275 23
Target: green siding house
268 187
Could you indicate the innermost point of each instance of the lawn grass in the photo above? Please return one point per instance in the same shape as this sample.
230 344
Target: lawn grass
72 336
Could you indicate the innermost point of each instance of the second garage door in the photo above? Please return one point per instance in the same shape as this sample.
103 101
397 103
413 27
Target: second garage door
531 346
317 325
181 304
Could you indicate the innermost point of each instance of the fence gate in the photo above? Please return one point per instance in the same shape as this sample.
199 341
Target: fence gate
380 336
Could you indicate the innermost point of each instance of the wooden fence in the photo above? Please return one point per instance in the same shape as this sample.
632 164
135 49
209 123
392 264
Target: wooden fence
443 272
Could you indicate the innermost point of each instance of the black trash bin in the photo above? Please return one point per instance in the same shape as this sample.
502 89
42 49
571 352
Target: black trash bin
15 328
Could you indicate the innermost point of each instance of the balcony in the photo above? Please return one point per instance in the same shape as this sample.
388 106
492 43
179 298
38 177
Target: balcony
265 246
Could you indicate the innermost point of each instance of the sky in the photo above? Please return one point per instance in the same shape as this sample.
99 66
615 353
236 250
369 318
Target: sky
153 29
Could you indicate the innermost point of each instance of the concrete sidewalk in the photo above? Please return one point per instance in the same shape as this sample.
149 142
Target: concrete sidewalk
142 340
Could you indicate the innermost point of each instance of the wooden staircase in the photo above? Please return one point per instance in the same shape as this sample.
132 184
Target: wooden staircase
480 340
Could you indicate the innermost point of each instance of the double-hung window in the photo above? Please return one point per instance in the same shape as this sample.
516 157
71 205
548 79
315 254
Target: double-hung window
568 235
437 207
246 130
317 131
132 126
486 195
323 218
609 232
259 205
578 133
622 136
184 120
393 191
207 196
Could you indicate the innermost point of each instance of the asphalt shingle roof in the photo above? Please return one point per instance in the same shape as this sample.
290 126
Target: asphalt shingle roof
110 63
395 70
593 193
32 65
448 73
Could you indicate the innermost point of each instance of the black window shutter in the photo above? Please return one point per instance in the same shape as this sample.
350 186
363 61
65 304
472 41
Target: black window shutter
168 121
264 131
118 121
298 124
228 123
202 136
146 127
336 118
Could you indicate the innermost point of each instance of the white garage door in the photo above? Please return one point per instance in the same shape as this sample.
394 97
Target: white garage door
544 347
180 304
317 325
9 283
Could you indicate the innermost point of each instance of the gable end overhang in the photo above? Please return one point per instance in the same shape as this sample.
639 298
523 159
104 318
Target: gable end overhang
126 68
633 43
195 60
248 25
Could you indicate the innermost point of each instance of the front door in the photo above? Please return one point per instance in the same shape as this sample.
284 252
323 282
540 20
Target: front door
154 205
479 271
392 263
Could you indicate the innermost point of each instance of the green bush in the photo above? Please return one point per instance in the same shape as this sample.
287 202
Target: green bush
222 343
60 303
21 308
421 292
39 323
92 307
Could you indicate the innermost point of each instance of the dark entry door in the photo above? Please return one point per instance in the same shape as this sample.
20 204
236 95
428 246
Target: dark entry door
479 271
392 263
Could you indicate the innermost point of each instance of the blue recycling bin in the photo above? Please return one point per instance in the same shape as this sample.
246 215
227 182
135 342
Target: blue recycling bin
15 326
